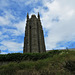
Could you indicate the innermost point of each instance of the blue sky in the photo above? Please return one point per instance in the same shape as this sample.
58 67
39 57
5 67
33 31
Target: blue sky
57 17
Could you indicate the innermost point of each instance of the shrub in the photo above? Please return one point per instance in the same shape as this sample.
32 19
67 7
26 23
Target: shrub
70 65
26 56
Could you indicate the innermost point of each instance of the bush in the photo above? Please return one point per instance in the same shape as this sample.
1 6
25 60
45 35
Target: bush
70 65
50 63
27 56
9 69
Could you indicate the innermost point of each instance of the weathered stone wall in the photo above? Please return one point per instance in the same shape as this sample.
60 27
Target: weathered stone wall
34 37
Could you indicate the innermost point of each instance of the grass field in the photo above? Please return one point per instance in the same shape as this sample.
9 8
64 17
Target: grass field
56 62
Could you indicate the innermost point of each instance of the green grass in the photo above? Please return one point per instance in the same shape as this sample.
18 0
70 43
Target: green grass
50 63
27 56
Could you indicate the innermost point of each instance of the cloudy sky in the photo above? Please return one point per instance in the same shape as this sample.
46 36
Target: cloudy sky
57 17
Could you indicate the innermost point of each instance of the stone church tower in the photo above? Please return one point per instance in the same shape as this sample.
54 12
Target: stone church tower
34 37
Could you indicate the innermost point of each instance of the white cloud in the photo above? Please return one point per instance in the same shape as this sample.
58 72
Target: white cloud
20 28
3 37
11 46
3 53
0 33
2 48
6 19
57 31
3 3
62 30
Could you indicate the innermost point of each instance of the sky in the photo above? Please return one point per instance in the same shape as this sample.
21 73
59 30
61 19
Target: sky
57 18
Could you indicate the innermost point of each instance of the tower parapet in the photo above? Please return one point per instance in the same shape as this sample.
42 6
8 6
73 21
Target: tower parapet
27 16
38 16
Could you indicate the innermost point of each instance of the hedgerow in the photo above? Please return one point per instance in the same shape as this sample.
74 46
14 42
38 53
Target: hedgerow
27 56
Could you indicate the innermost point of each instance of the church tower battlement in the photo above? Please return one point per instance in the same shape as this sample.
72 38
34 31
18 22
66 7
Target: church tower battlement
34 37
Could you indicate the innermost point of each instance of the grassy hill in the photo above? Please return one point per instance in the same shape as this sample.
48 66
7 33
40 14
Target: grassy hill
56 62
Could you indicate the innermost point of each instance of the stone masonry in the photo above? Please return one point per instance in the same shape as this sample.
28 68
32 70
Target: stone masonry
34 37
